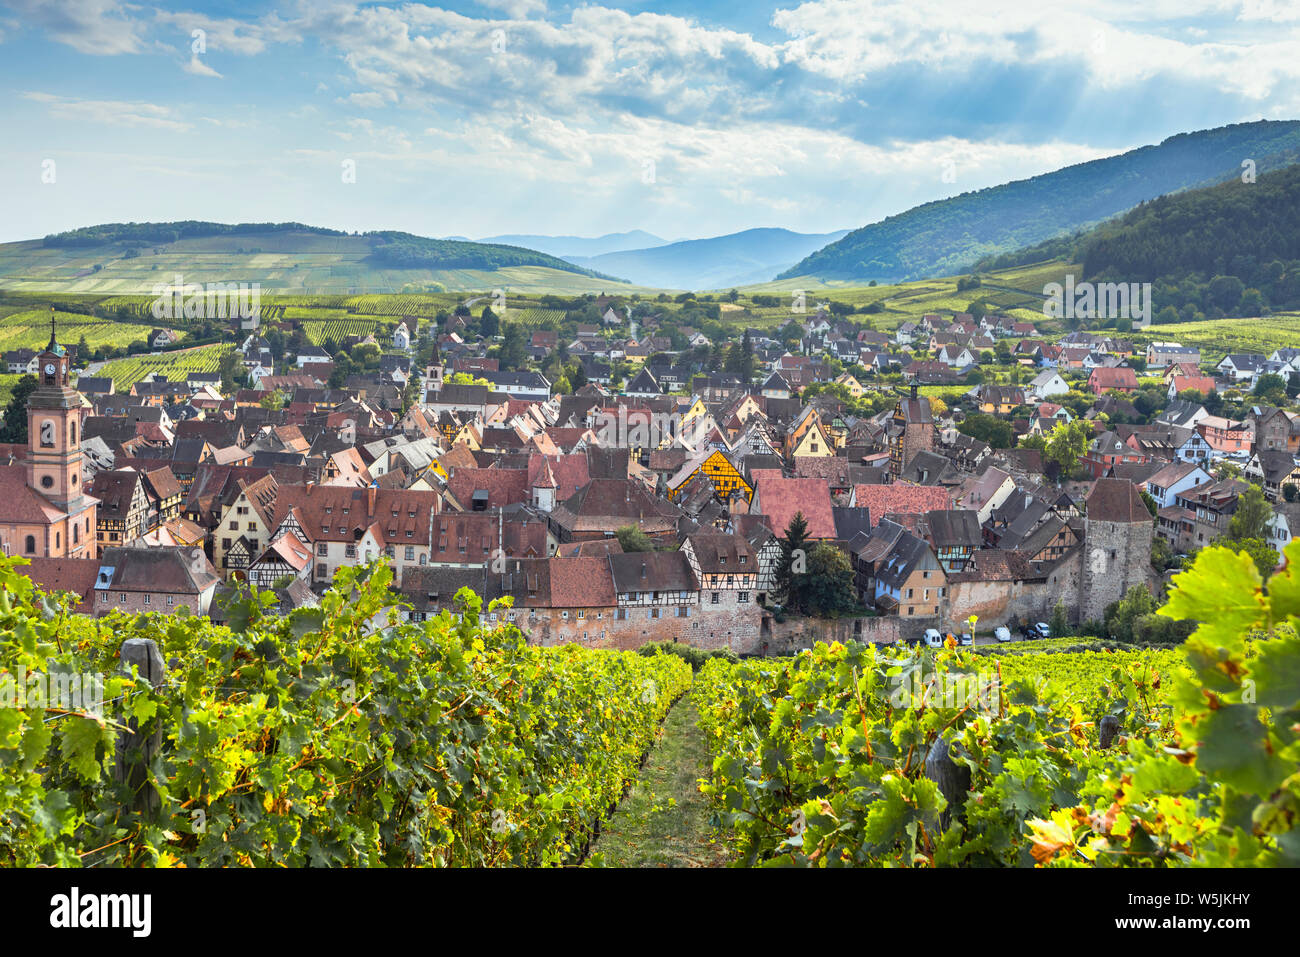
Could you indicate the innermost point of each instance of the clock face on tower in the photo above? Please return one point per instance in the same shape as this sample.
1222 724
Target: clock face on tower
49 368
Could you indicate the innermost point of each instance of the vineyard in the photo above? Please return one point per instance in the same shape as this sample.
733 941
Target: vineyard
344 736
30 329
336 736
174 365
854 755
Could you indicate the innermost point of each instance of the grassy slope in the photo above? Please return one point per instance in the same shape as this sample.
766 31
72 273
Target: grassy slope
664 820
315 264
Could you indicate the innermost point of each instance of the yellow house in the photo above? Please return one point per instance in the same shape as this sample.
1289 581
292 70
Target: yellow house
799 441
850 382
814 441
717 468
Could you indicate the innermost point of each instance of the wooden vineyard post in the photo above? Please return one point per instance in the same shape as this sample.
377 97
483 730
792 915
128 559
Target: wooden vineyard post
135 749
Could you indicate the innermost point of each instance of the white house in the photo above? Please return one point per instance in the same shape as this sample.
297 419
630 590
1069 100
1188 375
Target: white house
1047 384
1174 479
401 337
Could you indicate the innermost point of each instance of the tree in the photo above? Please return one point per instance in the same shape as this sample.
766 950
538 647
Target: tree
632 539
828 588
1252 516
488 323
14 428
793 562
514 351
1271 387
1260 551
987 428
1120 617
1066 444
1060 621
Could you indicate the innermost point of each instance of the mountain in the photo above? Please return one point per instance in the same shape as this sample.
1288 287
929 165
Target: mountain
570 247
281 257
946 236
1226 250
736 259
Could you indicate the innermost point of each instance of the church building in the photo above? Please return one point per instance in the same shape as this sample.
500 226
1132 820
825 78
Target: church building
44 512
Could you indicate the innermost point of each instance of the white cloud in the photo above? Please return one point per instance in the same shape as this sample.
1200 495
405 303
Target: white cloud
199 68
114 112
97 27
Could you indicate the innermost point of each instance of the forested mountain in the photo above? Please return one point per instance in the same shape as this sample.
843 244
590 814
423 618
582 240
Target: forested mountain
1226 250
947 236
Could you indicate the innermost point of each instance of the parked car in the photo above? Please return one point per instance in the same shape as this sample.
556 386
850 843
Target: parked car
933 638
967 638
1002 633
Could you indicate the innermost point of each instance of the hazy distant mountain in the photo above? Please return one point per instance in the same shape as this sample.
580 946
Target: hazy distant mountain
737 259
947 236
568 247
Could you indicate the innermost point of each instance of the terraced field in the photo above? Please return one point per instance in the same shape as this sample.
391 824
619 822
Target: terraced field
174 365
30 329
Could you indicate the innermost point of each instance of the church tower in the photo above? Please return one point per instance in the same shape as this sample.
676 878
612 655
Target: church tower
53 432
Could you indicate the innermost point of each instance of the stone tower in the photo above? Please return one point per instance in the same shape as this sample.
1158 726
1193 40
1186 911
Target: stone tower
53 423
1116 546
910 430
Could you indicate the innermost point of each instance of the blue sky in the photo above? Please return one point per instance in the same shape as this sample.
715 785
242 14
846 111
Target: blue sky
686 119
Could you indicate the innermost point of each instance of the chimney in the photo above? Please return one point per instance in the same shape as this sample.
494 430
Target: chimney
370 500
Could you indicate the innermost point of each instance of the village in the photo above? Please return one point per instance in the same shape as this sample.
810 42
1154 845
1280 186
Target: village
630 479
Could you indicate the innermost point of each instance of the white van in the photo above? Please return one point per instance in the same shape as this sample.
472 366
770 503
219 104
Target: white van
932 638
1002 633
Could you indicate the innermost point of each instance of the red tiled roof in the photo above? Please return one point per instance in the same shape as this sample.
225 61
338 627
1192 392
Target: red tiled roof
581 583
900 497
75 575
780 498
504 486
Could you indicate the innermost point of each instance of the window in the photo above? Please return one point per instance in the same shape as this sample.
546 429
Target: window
148 599
252 526
410 553
320 570
744 559
321 548
714 598
909 592
620 614
30 545
350 551
582 613
234 526
103 596
652 612
742 596
389 551
171 599
121 598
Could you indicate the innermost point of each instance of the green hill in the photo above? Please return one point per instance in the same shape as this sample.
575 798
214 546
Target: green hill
131 258
1220 251
947 236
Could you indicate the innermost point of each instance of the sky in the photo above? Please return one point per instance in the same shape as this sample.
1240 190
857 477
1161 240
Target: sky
685 119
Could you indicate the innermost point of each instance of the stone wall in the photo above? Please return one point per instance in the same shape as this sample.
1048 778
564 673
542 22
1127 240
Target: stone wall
1012 602
795 634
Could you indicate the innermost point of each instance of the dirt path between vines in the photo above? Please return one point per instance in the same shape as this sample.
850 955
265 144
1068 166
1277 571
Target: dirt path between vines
664 820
